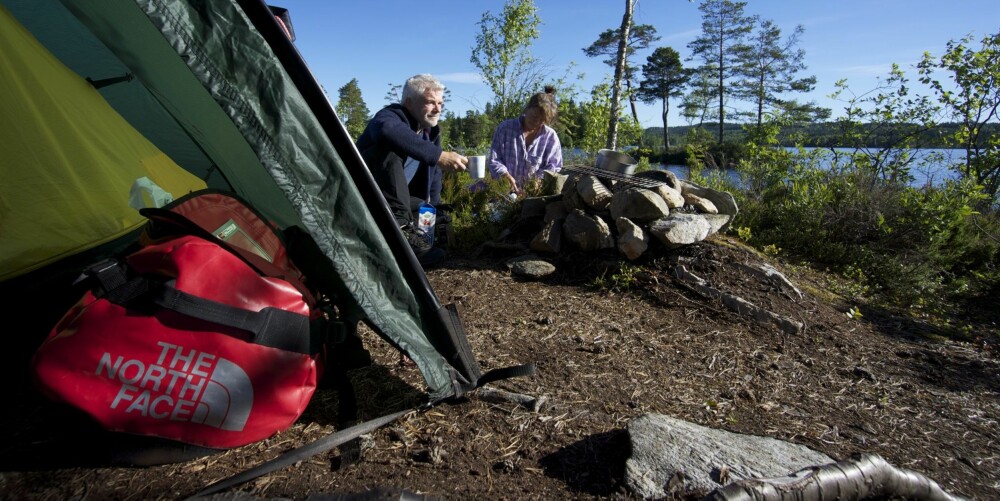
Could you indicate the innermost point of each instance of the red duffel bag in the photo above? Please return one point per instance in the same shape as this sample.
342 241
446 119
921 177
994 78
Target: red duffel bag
185 341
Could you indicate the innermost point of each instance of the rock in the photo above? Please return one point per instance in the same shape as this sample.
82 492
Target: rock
632 239
593 193
571 197
555 210
530 266
680 229
587 232
550 238
639 205
552 184
723 200
663 176
716 222
672 197
533 207
671 451
703 205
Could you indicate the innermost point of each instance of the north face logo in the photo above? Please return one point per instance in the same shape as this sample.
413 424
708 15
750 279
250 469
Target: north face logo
182 386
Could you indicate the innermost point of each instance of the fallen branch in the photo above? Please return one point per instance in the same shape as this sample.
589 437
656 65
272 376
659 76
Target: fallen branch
498 396
773 276
738 304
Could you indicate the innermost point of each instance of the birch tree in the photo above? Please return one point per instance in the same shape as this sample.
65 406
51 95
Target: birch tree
616 84
972 99
502 56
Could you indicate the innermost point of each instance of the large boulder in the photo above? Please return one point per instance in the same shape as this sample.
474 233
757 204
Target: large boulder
723 201
593 193
679 229
674 457
589 233
550 238
632 239
639 205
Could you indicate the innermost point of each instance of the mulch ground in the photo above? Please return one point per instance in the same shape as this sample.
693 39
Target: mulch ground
611 342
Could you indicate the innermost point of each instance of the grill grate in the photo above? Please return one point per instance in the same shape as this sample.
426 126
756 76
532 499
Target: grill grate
642 182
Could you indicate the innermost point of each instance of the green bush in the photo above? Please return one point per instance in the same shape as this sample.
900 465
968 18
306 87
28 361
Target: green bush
907 246
478 216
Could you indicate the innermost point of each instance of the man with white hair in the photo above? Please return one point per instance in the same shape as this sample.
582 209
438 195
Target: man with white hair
402 147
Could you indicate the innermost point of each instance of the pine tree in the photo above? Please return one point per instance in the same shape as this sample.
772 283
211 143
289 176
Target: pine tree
722 46
640 37
351 108
663 77
772 68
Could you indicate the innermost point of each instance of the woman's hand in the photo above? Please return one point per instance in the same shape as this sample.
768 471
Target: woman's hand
513 183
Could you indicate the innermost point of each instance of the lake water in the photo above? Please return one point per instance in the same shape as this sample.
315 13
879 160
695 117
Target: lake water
931 165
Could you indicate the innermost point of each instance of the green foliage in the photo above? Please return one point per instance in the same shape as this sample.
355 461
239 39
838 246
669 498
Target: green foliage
629 131
640 36
351 108
470 134
478 216
394 94
643 165
854 313
623 279
890 111
593 118
502 56
905 245
973 100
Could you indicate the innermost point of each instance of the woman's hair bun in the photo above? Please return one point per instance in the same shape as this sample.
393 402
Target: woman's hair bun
549 89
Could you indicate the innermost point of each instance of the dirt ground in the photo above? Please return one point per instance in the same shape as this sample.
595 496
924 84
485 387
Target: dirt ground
610 344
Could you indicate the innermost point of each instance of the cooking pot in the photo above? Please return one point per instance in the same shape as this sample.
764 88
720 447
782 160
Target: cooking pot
614 161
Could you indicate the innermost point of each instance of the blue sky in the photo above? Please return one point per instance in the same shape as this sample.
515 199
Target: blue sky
385 41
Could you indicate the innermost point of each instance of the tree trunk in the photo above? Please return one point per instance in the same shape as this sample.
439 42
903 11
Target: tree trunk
866 476
666 110
616 87
760 101
631 97
722 92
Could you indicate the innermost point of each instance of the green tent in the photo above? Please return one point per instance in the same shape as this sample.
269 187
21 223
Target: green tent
101 96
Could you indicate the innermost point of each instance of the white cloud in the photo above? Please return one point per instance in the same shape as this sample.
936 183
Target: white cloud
683 35
466 77
866 70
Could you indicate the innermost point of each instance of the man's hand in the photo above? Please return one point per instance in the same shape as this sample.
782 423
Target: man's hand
451 161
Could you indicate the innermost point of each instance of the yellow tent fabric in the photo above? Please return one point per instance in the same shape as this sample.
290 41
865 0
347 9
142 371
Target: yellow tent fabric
67 159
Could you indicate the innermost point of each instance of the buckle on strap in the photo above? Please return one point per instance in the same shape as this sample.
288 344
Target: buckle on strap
109 274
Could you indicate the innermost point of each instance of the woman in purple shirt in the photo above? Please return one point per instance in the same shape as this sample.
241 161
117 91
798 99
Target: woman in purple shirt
524 147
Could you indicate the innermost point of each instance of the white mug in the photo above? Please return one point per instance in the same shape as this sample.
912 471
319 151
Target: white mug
477 166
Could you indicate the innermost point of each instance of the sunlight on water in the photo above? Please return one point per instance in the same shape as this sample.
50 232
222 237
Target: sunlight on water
931 166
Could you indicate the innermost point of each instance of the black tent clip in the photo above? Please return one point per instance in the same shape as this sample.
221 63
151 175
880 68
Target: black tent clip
104 82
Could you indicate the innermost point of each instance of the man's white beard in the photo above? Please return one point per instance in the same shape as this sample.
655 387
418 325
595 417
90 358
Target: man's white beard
426 122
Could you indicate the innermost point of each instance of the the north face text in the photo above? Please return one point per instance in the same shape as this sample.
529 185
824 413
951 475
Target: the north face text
182 385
